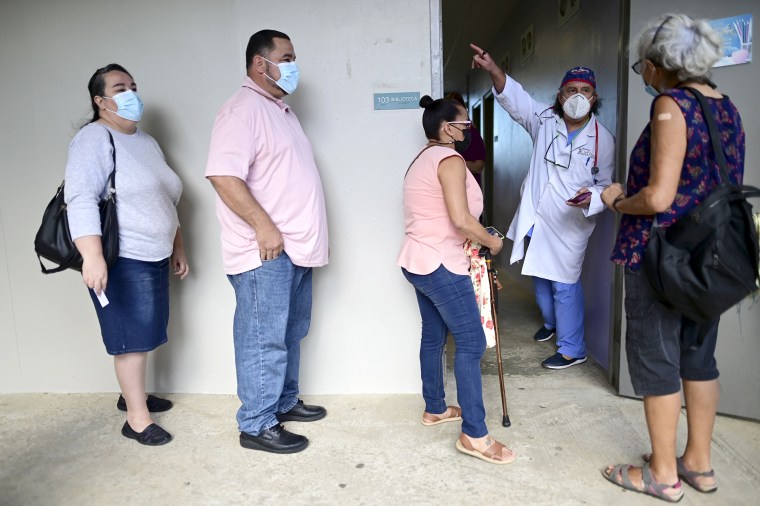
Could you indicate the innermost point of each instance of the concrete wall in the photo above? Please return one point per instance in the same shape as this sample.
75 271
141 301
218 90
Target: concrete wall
187 58
738 343
590 38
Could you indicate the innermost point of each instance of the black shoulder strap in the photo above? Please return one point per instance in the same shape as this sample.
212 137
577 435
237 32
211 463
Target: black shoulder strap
415 159
112 177
714 135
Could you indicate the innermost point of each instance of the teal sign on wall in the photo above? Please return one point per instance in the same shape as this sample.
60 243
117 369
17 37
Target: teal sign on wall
405 100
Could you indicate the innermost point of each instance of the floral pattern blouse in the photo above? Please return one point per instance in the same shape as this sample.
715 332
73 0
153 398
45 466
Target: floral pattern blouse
699 175
482 286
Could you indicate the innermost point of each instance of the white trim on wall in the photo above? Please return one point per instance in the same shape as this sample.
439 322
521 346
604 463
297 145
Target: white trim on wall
436 48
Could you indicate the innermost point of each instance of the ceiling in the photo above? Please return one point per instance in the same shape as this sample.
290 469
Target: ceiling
466 21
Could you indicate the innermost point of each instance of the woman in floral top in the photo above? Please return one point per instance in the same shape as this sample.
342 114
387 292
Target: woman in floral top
672 170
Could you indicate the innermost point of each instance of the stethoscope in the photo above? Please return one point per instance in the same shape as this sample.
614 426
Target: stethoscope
595 167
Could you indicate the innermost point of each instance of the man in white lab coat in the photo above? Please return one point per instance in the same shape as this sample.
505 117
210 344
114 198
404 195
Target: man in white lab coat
571 164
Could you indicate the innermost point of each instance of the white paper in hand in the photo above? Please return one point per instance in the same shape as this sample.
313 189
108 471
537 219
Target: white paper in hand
102 298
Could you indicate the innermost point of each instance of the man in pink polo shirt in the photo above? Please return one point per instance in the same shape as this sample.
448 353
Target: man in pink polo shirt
271 208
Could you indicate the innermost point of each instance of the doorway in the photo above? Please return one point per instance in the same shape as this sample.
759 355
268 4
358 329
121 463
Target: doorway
488 179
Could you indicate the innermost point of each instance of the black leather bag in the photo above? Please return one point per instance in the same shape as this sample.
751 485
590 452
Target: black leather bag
53 240
707 261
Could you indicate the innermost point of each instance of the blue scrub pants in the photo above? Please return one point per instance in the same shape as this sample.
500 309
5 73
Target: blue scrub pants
562 308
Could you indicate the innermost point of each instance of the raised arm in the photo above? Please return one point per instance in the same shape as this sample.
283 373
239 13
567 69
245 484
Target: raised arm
510 95
482 60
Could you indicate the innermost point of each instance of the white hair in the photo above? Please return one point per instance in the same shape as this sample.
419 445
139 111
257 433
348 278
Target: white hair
689 47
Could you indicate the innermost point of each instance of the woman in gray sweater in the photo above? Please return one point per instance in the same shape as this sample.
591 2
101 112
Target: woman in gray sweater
131 297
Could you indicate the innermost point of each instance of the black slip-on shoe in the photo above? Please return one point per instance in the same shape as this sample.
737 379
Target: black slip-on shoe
153 435
155 404
557 361
543 334
303 413
274 440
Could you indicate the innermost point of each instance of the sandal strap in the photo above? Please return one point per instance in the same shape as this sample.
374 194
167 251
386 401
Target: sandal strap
451 412
687 474
622 470
653 486
466 442
495 451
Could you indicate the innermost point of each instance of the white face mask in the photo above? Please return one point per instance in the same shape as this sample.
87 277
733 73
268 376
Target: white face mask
576 106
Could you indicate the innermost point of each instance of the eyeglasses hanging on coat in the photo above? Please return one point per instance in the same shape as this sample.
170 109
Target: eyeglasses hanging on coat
594 168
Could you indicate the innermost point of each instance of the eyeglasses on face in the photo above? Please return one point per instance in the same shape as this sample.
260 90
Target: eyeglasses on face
467 124
638 67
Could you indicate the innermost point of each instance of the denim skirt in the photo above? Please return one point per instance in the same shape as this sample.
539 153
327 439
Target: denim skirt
137 313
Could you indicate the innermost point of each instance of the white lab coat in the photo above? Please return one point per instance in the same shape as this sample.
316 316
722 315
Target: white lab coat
560 232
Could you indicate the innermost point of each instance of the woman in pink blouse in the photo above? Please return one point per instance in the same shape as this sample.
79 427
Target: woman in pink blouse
442 203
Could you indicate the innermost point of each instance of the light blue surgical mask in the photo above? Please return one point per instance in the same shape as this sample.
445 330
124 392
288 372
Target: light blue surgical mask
651 89
129 105
289 74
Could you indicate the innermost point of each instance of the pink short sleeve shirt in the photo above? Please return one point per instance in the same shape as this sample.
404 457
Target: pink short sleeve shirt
259 139
430 238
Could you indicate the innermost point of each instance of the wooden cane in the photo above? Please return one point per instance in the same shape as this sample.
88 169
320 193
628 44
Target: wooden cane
491 276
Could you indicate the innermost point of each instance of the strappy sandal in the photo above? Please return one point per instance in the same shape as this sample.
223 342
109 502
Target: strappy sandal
494 454
649 485
691 477
452 414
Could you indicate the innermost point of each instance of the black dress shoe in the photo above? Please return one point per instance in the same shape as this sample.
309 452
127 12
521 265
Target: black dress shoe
153 435
155 404
303 413
274 440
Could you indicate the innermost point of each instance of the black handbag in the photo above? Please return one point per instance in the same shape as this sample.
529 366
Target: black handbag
53 240
707 261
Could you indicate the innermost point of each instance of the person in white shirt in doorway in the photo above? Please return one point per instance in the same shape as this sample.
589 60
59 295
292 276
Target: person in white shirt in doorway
571 164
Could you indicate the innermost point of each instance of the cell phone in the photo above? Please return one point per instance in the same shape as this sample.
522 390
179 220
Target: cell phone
493 231
579 198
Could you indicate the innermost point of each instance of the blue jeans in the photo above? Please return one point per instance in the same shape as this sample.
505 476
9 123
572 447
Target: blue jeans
447 302
272 315
562 308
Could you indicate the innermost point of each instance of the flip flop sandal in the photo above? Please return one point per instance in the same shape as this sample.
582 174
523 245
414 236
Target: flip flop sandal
464 446
650 486
452 414
690 477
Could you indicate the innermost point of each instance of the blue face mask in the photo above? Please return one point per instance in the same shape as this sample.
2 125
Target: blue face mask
289 74
651 89
129 105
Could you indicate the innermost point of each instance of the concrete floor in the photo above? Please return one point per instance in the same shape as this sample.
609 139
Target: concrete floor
371 449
